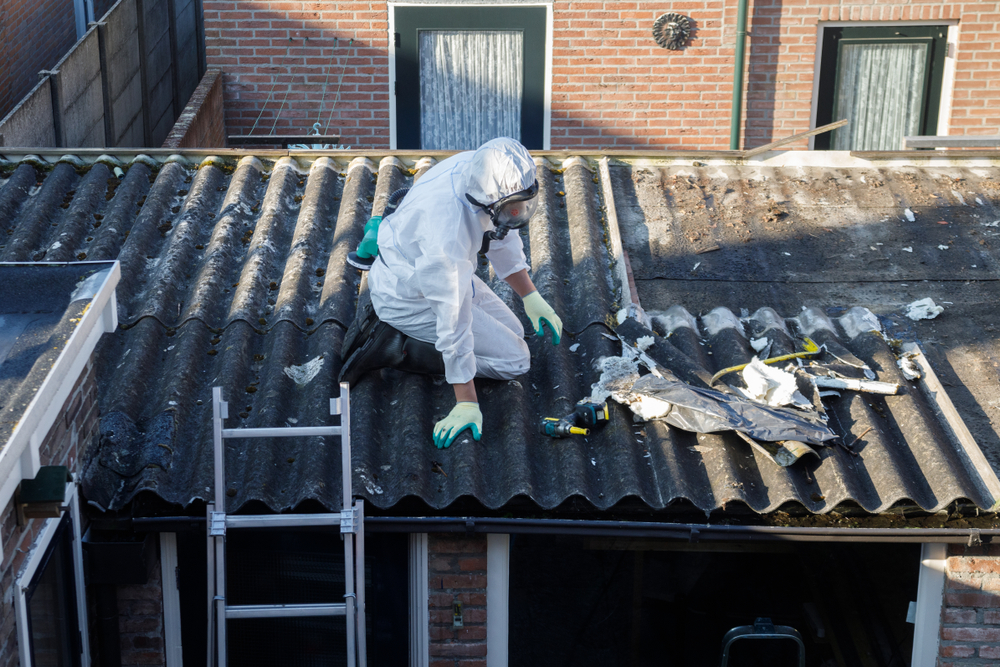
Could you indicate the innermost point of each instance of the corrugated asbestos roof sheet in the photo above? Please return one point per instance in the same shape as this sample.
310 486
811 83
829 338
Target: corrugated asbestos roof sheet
234 273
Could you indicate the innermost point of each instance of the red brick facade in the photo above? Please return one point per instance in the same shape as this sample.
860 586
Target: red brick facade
34 35
970 620
140 621
612 85
457 572
63 444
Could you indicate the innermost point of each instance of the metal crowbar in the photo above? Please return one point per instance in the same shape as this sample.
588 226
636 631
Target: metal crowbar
811 348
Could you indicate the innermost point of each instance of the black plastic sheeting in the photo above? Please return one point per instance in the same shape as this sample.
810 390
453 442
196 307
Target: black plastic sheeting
234 274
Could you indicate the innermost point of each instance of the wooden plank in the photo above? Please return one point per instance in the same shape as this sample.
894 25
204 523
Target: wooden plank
795 137
621 267
954 154
952 142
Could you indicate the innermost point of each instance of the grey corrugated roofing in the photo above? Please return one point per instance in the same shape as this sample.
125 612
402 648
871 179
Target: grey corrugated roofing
234 272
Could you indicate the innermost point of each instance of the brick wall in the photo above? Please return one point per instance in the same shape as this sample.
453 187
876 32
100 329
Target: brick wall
457 571
63 445
970 620
612 85
140 621
293 63
34 35
201 124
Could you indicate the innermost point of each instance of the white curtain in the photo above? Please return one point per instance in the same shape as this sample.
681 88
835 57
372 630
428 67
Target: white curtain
470 88
880 91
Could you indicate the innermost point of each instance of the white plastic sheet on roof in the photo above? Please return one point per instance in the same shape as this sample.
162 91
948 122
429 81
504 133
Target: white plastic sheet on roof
470 88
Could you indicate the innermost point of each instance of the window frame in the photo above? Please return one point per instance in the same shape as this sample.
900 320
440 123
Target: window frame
39 557
404 84
937 88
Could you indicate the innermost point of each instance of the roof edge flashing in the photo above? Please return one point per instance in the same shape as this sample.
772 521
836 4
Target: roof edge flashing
19 458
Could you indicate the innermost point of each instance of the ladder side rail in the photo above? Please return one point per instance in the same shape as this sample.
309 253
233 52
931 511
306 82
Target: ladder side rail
359 549
220 600
210 558
220 410
349 598
343 406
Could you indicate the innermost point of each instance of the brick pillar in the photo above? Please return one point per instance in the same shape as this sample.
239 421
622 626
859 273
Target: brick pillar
140 621
457 571
970 619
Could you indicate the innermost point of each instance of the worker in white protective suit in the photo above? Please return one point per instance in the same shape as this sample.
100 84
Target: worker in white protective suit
432 314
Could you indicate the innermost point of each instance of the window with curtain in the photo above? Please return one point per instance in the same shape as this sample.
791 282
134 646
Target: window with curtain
470 87
879 92
466 73
885 81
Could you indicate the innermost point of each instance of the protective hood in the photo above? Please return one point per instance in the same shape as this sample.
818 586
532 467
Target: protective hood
498 169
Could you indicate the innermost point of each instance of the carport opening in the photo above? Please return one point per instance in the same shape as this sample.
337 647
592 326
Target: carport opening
609 601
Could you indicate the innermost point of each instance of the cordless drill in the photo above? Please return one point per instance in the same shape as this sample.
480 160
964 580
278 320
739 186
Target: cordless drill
584 415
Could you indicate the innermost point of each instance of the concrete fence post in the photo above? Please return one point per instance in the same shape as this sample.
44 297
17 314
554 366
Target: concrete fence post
178 103
57 119
140 18
102 51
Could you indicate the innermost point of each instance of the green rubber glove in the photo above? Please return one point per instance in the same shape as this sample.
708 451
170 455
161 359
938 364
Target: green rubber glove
369 244
465 415
540 312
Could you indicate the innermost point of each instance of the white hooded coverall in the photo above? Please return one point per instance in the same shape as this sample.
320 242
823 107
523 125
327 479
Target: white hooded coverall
423 282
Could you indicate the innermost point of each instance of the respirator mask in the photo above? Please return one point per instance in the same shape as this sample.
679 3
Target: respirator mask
511 212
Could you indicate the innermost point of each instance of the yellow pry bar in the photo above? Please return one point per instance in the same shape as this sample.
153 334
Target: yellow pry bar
811 348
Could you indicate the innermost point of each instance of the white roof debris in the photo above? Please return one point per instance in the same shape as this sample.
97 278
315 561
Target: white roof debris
302 375
924 309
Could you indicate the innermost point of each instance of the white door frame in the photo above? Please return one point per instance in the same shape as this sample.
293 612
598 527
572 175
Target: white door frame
419 598
30 567
547 111
947 81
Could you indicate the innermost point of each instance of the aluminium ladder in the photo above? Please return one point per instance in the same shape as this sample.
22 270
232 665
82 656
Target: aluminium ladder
350 519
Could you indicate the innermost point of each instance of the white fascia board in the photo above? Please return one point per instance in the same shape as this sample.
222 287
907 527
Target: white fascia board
19 458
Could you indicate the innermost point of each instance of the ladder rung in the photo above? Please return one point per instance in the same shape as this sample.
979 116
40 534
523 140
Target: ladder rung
285 610
282 520
284 432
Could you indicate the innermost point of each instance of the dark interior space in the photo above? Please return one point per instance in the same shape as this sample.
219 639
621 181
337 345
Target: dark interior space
600 601
297 567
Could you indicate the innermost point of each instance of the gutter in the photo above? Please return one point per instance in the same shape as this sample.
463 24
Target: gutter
676 531
688 532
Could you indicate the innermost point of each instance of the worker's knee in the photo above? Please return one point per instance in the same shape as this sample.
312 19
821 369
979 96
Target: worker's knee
512 365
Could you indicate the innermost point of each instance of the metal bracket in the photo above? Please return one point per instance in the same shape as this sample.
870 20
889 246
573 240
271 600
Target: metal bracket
349 520
218 527
975 538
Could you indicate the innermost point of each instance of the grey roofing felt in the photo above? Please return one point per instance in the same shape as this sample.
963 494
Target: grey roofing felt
40 308
233 273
